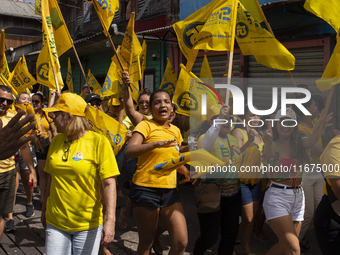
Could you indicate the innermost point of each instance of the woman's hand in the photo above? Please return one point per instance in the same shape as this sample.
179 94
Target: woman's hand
224 112
108 232
169 143
252 133
126 79
267 136
322 122
32 178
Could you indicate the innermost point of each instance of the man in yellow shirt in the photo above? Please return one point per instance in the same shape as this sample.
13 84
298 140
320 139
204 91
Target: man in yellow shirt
7 166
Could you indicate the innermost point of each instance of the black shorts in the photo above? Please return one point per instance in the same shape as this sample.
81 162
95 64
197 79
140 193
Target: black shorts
7 191
46 145
152 198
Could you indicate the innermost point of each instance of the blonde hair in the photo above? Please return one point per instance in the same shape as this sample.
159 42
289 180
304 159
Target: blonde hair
76 125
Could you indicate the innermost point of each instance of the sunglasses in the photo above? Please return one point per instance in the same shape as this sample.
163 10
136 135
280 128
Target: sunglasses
143 102
8 101
66 150
35 101
96 103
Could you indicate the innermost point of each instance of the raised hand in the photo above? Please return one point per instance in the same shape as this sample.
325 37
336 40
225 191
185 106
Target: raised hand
224 112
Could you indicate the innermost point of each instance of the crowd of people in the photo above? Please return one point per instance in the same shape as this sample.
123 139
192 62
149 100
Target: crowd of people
77 171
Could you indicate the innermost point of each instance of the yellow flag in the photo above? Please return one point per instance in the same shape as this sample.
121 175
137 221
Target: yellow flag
143 56
107 126
205 73
200 157
55 32
188 29
169 79
92 81
255 9
69 76
5 69
109 86
44 70
130 51
216 32
188 94
21 78
254 40
327 10
2 49
37 9
331 75
106 10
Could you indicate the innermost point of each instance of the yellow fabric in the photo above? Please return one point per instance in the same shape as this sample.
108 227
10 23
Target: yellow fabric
255 9
315 159
205 74
169 79
188 29
331 74
69 76
92 82
37 9
254 40
106 11
216 34
330 156
21 78
326 10
44 121
74 201
130 52
188 95
143 56
153 132
105 125
2 49
128 123
7 164
69 102
5 69
45 72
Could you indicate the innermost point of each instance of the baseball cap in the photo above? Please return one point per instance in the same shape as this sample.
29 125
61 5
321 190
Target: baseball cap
87 85
114 101
69 102
92 96
290 114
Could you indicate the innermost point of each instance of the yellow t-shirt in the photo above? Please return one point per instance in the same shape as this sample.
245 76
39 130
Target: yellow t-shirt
7 164
45 121
154 132
315 159
127 122
330 156
74 201
221 151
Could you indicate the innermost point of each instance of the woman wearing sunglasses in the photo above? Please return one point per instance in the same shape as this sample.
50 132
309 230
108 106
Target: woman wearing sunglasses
78 163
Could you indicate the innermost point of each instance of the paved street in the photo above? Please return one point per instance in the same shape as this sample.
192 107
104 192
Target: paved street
30 235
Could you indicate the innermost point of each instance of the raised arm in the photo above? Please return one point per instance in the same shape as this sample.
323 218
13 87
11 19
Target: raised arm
268 149
134 115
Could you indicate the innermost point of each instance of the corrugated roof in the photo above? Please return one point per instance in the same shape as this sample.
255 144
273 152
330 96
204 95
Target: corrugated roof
18 9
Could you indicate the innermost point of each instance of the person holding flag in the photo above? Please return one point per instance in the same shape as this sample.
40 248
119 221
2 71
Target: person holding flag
74 219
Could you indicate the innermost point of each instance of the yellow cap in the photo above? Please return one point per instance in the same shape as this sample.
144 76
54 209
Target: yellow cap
212 111
69 102
114 101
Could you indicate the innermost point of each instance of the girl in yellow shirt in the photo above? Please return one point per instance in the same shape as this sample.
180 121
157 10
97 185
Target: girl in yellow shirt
154 196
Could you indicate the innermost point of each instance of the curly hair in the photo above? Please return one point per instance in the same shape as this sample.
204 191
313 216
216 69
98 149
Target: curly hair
299 151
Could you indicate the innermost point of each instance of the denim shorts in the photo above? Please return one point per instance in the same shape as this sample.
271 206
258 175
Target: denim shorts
152 198
283 202
250 192
21 163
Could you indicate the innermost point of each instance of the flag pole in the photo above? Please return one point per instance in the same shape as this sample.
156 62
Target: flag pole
55 78
231 55
81 67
